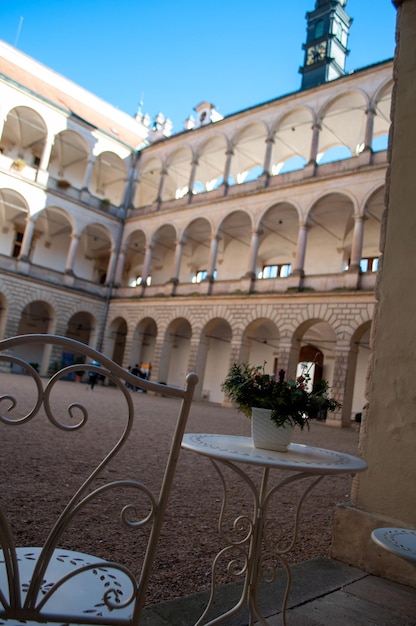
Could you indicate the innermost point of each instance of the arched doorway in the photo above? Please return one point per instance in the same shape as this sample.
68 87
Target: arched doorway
36 318
214 358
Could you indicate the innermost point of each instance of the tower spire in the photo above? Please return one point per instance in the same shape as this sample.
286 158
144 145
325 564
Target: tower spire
328 28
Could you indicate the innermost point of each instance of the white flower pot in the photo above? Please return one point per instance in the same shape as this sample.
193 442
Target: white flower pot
266 434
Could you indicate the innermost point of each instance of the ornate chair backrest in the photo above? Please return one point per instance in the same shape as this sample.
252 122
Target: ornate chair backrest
51 429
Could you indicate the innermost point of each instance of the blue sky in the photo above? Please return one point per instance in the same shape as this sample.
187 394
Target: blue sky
175 54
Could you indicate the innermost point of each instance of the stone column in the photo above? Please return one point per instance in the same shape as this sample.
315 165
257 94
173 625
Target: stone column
268 156
41 174
299 263
119 267
348 393
160 362
192 175
127 192
369 129
70 259
146 266
316 129
235 349
161 189
342 355
27 239
193 351
385 494
134 189
177 265
88 174
212 261
227 169
111 266
288 356
254 249
357 243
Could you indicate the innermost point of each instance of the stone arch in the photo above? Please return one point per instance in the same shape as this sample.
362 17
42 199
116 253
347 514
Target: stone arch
315 333
116 339
343 123
24 135
69 158
331 223
213 357
36 317
260 344
178 168
235 240
144 342
108 178
163 254
355 384
196 240
373 214
82 325
175 352
13 216
211 164
134 248
93 254
149 180
53 229
292 135
381 106
249 151
278 239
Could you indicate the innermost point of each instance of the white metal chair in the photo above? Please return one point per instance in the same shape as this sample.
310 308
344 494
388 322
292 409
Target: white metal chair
398 541
53 583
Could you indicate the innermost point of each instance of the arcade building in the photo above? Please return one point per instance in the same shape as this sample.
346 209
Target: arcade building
251 237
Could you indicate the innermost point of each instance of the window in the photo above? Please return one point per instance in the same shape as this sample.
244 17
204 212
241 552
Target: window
17 244
319 29
201 275
275 271
369 264
135 282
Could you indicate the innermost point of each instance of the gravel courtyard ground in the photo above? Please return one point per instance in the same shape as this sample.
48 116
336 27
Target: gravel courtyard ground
190 536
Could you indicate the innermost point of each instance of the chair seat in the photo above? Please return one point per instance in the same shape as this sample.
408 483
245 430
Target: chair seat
399 541
84 589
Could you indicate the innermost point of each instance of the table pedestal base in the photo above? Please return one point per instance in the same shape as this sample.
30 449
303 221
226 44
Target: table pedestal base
255 554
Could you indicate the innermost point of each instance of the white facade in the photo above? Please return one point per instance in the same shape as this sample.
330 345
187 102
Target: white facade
240 239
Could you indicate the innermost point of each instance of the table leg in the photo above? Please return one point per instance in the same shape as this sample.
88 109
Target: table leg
245 552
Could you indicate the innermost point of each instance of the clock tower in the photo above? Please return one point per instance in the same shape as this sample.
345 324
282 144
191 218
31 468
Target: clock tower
326 43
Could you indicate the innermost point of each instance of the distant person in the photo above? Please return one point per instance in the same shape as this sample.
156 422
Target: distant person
92 377
136 372
127 384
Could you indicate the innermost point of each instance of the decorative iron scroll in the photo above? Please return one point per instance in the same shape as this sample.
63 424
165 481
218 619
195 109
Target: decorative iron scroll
36 583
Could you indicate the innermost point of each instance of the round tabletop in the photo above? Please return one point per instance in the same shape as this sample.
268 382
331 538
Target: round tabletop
297 458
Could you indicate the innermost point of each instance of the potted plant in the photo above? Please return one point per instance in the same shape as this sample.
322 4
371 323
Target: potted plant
63 184
19 164
275 405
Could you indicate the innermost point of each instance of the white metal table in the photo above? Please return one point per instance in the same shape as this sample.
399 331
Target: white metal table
251 554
